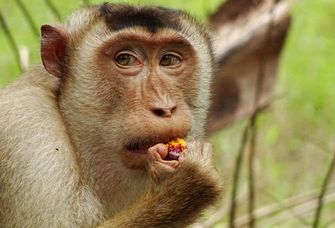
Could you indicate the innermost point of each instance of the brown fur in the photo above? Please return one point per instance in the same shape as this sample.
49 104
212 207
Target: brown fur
64 160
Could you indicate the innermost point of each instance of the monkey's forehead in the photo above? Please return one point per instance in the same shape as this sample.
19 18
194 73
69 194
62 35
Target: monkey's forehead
121 16
92 22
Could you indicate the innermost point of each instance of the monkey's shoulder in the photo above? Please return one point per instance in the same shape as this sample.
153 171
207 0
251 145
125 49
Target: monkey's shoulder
29 115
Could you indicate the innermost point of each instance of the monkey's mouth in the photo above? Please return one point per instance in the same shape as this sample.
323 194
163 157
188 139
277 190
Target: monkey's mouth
141 145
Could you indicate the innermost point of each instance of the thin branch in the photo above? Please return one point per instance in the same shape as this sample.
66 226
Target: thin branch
302 209
251 169
322 192
53 9
253 137
11 40
289 203
295 204
236 175
264 211
219 213
252 134
253 119
329 223
29 18
295 201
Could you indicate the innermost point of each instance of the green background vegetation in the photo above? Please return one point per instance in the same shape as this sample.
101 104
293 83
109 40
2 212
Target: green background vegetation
296 135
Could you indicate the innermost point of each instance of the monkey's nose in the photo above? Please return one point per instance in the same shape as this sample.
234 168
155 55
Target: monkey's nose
164 112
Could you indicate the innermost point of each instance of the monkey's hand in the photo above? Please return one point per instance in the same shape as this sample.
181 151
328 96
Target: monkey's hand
158 168
191 185
180 190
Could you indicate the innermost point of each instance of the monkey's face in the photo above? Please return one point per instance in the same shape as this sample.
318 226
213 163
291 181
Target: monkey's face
141 88
135 87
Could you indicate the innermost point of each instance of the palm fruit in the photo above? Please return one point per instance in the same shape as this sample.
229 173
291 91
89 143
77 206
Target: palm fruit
175 147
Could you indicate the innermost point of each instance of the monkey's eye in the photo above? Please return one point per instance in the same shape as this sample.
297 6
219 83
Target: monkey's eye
124 59
170 60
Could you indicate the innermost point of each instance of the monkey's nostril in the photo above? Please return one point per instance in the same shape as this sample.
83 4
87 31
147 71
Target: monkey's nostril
164 112
159 112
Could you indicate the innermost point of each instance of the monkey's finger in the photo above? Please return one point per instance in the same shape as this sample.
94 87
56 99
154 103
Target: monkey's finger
160 170
156 159
195 146
160 149
167 166
193 151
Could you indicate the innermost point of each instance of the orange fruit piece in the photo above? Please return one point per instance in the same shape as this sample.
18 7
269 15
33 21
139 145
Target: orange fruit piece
175 147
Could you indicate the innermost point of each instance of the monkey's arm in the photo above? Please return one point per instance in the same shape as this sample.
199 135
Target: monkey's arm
175 202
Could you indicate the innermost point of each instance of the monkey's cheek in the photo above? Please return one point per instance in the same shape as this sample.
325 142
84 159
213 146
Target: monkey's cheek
134 160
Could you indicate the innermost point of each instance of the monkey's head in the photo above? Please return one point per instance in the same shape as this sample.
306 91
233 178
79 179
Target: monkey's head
130 77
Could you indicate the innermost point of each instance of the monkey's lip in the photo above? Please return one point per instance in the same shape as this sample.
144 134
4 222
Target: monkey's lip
141 145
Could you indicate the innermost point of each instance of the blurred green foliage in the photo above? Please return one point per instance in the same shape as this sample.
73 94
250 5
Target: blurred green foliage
296 140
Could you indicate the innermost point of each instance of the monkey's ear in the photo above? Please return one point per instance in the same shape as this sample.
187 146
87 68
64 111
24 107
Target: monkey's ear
53 49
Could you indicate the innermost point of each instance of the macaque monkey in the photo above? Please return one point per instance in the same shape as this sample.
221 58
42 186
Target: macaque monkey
82 135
